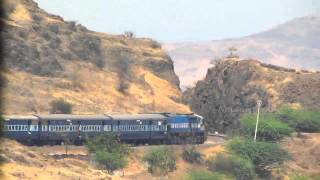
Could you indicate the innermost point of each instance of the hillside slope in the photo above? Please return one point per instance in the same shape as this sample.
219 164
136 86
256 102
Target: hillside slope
47 58
294 44
232 87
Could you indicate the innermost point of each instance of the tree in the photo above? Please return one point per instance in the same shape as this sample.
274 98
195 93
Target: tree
270 127
191 155
124 72
108 151
160 160
264 155
231 51
215 61
241 168
129 34
60 106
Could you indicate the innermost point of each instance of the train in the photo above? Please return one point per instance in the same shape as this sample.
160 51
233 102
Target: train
152 128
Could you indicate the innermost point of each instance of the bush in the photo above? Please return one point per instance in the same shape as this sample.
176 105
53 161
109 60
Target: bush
108 151
129 34
204 175
264 155
270 128
160 160
1 125
110 161
60 106
241 168
124 72
300 119
191 155
303 177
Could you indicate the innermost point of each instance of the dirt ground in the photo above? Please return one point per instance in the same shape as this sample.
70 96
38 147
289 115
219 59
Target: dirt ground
49 162
305 152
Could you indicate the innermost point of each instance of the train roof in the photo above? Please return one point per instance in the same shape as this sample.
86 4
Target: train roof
71 117
146 116
19 117
137 116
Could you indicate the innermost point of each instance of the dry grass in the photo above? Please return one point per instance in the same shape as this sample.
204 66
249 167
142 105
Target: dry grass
36 163
305 153
91 94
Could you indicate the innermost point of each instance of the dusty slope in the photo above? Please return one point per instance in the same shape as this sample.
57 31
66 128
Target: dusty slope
305 152
47 58
233 87
34 163
294 44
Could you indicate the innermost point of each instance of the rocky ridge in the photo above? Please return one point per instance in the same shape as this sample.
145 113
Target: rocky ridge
232 87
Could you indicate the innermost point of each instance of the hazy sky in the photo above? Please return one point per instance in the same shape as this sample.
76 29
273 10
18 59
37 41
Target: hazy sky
181 20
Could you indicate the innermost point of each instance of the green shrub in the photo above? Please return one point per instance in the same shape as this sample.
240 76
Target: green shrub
60 106
263 155
303 177
191 155
160 160
108 151
241 168
301 119
111 161
205 175
270 127
1 125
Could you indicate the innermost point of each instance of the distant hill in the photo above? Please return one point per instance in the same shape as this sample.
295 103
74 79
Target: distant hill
295 44
47 58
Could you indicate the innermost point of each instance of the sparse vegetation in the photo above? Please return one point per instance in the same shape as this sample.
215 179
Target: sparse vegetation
156 45
54 28
232 51
1 125
191 155
270 127
108 151
160 160
240 168
303 177
302 120
129 34
205 175
60 106
264 155
124 72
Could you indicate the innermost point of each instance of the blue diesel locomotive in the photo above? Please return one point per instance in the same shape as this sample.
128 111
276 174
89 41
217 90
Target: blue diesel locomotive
157 128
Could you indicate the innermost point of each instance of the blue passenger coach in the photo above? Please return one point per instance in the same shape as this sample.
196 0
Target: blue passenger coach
154 128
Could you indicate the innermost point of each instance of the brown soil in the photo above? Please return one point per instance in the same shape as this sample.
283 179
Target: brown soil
24 162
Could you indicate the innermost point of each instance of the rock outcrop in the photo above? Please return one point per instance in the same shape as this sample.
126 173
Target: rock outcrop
48 58
232 87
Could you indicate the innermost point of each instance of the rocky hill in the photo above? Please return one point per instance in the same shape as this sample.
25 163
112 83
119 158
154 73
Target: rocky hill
294 44
48 58
233 87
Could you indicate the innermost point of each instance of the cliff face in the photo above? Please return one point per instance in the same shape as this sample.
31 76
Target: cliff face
47 58
233 87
